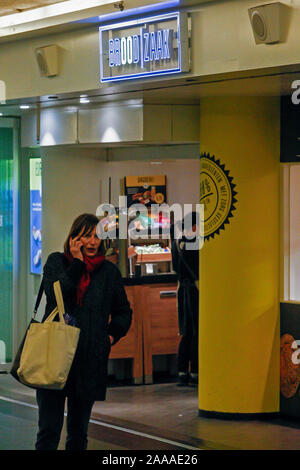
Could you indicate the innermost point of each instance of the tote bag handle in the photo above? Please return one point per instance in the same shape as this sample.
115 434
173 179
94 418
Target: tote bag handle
59 300
60 309
39 297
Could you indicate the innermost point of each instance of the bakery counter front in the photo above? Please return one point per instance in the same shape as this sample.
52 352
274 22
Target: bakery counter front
154 328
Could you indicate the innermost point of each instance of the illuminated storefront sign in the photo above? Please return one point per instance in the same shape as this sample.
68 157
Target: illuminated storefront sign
144 47
140 49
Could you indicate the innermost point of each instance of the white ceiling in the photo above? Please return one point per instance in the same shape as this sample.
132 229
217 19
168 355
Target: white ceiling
14 6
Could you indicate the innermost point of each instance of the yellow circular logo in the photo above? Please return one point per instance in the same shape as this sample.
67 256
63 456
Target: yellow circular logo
159 198
216 194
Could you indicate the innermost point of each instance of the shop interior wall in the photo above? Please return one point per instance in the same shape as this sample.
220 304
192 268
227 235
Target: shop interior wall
182 178
71 186
222 42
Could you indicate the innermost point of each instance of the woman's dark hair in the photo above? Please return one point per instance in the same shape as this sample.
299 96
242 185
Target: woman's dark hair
186 223
190 220
85 223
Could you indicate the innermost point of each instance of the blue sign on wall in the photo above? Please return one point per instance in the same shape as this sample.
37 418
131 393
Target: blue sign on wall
145 47
35 216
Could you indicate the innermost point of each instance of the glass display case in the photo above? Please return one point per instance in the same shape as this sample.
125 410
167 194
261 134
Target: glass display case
149 244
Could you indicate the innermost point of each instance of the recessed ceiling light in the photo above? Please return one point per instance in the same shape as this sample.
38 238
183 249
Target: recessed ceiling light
24 106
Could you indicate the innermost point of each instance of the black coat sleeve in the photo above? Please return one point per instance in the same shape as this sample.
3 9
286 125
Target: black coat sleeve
174 252
55 269
121 313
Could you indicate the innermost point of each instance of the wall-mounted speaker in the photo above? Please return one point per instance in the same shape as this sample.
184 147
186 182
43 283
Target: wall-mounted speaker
266 22
47 59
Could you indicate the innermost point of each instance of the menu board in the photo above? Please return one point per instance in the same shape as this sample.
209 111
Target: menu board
146 190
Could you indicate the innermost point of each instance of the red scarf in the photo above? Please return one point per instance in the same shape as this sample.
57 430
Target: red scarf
90 264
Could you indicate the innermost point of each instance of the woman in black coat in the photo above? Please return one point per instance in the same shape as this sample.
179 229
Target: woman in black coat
95 301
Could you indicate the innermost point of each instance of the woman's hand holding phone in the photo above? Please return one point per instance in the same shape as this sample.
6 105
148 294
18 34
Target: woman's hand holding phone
75 247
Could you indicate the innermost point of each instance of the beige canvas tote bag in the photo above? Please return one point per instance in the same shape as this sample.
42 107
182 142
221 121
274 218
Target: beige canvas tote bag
49 350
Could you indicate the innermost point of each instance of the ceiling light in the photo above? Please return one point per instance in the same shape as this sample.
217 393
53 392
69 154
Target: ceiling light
84 100
24 106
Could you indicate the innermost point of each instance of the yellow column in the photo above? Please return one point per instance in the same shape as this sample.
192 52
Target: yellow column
239 267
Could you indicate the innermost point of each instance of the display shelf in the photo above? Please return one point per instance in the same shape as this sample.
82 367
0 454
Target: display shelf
160 259
154 257
149 241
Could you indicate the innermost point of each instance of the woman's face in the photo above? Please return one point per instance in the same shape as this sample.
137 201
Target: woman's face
90 243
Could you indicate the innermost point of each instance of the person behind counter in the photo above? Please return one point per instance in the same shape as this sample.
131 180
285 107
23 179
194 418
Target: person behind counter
92 290
186 265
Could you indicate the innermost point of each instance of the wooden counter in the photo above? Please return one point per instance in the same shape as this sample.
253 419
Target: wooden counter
154 329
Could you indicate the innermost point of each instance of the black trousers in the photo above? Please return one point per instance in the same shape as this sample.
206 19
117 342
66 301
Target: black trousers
51 404
188 354
188 308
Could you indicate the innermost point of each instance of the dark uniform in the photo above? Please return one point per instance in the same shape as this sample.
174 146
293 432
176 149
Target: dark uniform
186 265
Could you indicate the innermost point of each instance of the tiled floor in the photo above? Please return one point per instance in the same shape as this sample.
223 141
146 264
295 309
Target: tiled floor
161 416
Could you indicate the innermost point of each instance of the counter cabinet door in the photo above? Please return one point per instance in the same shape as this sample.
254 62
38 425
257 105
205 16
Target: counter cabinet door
160 324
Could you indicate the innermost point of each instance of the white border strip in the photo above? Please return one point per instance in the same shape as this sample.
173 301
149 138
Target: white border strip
142 434
118 428
11 400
